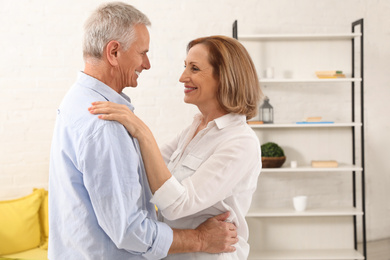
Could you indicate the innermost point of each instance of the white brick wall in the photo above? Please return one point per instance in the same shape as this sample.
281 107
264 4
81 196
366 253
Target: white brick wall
41 54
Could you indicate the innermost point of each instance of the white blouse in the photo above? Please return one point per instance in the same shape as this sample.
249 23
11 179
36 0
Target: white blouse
214 172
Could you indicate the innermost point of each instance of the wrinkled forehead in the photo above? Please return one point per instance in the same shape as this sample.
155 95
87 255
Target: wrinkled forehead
142 37
198 53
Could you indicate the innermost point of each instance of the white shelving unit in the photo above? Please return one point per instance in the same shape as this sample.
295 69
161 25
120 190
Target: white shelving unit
340 168
335 254
263 218
310 80
295 125
319 212
292 37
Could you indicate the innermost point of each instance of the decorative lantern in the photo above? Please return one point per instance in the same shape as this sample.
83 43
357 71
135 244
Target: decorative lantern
266 112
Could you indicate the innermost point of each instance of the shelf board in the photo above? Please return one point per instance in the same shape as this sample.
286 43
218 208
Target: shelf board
309 80
317 212
273 37
330 254
340 168
295 125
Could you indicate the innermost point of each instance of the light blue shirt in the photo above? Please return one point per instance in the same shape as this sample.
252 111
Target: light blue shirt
99 197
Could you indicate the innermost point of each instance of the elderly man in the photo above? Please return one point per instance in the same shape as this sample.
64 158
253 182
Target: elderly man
99 195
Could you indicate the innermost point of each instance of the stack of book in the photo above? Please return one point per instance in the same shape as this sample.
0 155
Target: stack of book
330 74
255 122
314 120
324 164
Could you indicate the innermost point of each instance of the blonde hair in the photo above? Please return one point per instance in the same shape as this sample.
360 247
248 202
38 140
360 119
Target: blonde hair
111 21
239 88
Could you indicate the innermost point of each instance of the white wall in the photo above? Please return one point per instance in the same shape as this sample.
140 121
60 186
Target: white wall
41 55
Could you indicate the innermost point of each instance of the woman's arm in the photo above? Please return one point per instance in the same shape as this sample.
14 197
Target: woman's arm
168 148
155 166
233 160
231 169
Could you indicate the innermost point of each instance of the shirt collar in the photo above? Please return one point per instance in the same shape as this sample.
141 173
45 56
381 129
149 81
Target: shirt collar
104 90
225 120
229 119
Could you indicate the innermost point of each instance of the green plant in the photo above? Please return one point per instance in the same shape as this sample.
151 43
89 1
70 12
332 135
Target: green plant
271 149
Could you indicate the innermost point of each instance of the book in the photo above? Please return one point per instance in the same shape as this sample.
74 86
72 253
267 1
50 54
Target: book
255 122
313 119
324 164
330 74
320 122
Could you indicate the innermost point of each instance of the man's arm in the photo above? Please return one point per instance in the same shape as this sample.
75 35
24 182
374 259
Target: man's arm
109 162
212 236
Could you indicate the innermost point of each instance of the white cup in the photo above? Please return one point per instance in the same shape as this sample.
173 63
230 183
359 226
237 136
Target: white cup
300 203
269 73
294 164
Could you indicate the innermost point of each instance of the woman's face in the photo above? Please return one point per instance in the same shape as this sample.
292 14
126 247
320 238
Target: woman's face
200 85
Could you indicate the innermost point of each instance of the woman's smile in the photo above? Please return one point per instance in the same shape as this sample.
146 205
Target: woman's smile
188 89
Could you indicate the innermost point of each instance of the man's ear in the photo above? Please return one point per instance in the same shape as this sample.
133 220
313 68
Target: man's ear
111 52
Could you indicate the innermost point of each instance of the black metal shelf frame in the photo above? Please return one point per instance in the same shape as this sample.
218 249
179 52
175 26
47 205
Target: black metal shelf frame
359 24
356 25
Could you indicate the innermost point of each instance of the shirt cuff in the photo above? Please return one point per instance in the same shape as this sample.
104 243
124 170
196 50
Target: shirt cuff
168 193
162 243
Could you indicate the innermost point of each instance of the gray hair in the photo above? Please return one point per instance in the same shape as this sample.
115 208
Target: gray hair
111 21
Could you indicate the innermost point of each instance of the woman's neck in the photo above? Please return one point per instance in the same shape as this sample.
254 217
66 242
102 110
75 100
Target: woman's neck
208 116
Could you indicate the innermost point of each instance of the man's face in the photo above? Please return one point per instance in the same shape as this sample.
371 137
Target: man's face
135 59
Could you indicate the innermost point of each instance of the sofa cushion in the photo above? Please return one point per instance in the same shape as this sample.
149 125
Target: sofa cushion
44 220
32 254
19 223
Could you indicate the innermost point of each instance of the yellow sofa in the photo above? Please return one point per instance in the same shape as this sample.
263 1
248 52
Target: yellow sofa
24 227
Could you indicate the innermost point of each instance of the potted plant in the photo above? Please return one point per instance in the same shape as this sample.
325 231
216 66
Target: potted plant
272 155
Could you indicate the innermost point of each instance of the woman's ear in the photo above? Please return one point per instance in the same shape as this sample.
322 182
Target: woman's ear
111 52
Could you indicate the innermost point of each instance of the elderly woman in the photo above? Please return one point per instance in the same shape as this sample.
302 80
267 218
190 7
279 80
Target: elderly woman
213 165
